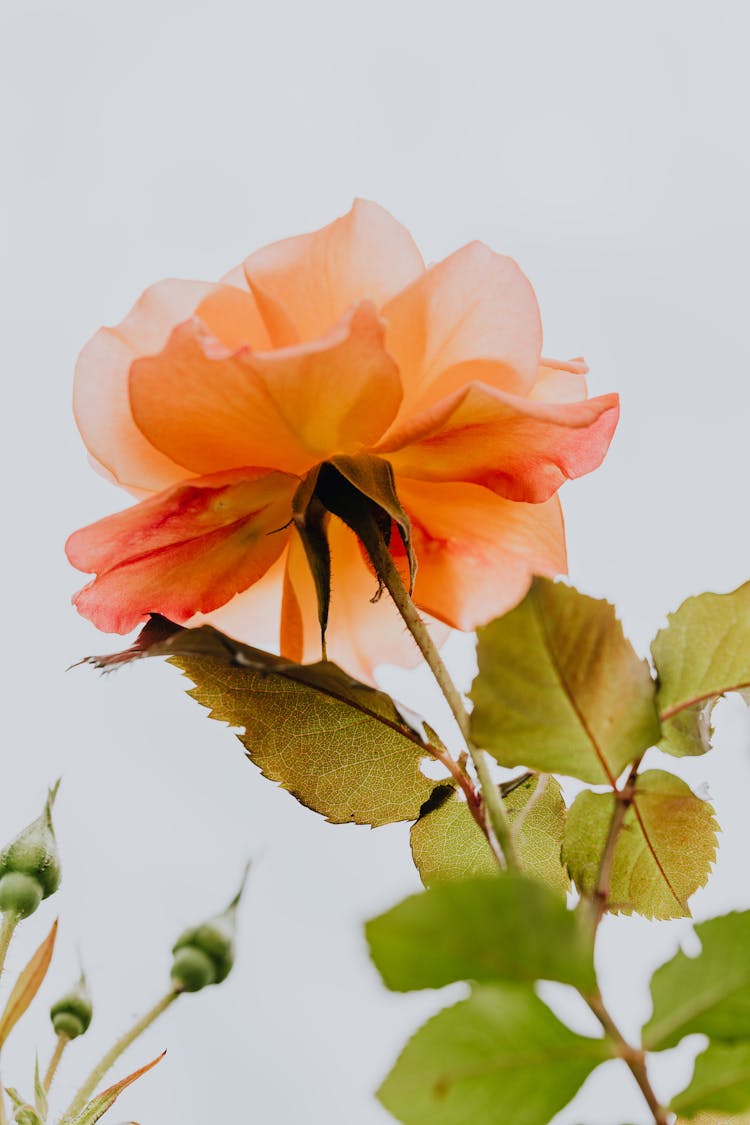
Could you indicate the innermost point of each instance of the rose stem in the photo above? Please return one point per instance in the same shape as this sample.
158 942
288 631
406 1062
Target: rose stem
110 1058
387 572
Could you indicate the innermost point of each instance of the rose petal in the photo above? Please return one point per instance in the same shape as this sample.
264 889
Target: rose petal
210 409
473 316
253 615
100 397
521 449
560 380
186 551
477 552
314 278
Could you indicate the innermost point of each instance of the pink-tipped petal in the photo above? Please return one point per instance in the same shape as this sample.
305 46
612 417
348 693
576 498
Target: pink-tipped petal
187 550
477 552
519 448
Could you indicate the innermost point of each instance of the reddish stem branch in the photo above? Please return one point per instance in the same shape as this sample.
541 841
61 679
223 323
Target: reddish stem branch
623 800
633 1057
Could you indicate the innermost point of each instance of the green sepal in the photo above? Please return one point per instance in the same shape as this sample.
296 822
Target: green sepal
40 1094
311 520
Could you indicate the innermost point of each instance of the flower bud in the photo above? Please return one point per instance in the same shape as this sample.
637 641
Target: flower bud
30 865
24 1114
71 1014
205 954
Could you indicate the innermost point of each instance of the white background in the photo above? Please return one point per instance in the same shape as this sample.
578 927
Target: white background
605 147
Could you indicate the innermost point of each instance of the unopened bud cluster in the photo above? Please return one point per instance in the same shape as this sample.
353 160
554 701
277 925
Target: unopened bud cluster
29 873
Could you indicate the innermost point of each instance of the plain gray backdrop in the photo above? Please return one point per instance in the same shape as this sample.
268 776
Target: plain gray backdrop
602 145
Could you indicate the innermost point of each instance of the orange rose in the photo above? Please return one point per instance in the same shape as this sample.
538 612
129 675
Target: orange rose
213 401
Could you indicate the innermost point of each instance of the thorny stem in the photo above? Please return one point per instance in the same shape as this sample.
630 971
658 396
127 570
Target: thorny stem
386 570
633 1057
113 1054
54 1062
7 928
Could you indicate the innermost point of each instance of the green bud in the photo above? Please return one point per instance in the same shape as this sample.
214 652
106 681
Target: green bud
24 1114
20 894
30 865
205 954
71 1014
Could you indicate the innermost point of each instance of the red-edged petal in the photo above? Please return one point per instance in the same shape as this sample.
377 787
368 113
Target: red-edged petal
211 409
473 316
100 396
314 278
186 551
476 552
519 448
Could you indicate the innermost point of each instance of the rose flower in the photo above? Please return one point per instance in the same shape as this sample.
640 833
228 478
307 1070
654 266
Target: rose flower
211 403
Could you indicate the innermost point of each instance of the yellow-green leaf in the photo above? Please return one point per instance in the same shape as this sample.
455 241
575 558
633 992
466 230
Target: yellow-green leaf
664 851
447 843
703 653
27 985
560 689
339 746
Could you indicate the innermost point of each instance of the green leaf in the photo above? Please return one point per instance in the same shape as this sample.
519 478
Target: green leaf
709 993
339 746
560 689
99 1105
499 1057
509 928
447 843
721 1082
703 653
664 851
